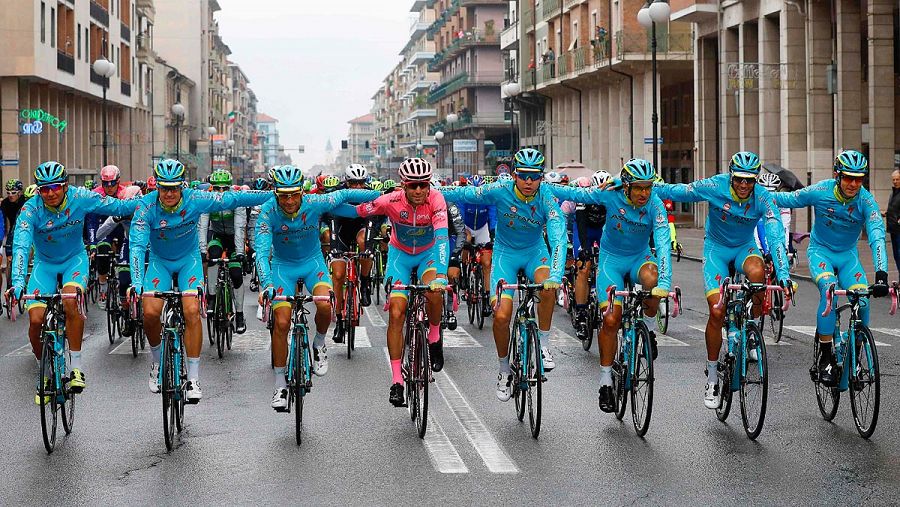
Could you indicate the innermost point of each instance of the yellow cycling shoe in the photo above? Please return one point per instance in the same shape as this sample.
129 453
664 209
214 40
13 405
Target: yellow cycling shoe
37 394
76 381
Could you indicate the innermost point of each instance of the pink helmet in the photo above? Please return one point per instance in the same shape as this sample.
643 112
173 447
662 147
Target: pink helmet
110 173
583 181
151 183
131 191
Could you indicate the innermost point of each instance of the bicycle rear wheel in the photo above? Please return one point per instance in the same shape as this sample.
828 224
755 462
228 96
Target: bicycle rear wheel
865 383
535 378
47 392
421 378
67 410
642 380
352 310
167 390
827 398
755 384
111 319
180 379
593 323
471 302
478 288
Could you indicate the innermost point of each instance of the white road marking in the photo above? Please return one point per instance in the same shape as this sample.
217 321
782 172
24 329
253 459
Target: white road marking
374 315
560 338
459 337
477 433
24 350
769 340
361 341
124 348
252 340
811 331
667 341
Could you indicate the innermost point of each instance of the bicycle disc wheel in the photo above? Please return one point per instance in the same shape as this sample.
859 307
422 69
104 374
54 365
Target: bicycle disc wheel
642 381
515 363
662 316
421 378
167 390
47 391
755 384
827 398
534 379
865 383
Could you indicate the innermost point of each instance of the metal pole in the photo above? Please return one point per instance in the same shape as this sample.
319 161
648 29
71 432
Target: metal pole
654 119
452 156
105 141
177 138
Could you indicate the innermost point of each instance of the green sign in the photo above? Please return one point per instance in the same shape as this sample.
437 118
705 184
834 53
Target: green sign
45 117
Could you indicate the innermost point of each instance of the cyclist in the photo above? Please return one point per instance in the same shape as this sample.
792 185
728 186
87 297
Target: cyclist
53 225
89 184
10 207
30 191
524 207
842 208
261 184
589 222
349 235
480 224
772 183
419 241
224 233
166 221
101 251
456 232
736 203
633 217
287 231
117 227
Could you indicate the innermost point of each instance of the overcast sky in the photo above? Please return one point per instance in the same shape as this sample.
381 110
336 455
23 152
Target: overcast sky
314 64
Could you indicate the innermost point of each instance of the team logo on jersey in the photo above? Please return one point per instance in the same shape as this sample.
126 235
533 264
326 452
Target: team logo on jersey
552 214
850 210
830 211
303 217
404 215
280 290
641 214
163 223
513 209
183 213
430 263
821 265
533 209
49 223
284 227
726 206
191 280
76 274
155 282
858 275
622 211
320 274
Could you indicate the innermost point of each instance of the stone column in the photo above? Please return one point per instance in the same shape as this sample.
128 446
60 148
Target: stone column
880 17
792 78
849 76
730 127
748 42
9 119
820 103
769 93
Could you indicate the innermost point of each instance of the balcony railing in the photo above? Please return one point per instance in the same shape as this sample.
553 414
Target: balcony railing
639 43
99 13
65 62
550 8
491 119
570 3
462 80
562 65
470 38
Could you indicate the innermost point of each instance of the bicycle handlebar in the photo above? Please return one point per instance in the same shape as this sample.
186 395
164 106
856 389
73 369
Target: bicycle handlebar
833 292
750 287
612 293
11 301
301 299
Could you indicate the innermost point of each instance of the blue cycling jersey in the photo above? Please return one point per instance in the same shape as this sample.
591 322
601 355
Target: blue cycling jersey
731 221
172 234
840 221
476 217
56 233
296 238
627 230
521 219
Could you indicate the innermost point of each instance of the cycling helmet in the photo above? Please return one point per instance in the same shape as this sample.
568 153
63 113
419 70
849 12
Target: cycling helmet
140 184
307 184
477 180
553 177
489 179
375 185
110 173
13 185
637 169
564 180
600 177
355 172
583 182
415 169
529 160
50 172
505 177
744 164
851 163
151 183
30 190
287 178
260 184
169 173
388 185
220 178
320 179
89 184
331 183
770 181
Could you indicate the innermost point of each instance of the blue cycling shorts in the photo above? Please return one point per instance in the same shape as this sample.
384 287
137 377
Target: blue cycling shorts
160 273
826 267
612 269
716 259
311 270
592 234
506 263
74 272
400 265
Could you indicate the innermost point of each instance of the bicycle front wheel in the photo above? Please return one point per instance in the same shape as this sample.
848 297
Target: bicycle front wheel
352 309
725 375
755 382
865 383
167 390
620 373
828 398
300 368
534 378
642 380
421 374
47 392
477 286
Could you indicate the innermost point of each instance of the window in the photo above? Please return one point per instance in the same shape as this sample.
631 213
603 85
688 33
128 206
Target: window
125 56
65 22
87 38
43 23
52 27
125 11
97 42
79 41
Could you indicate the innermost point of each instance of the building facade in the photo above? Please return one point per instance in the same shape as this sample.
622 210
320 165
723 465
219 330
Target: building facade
359 140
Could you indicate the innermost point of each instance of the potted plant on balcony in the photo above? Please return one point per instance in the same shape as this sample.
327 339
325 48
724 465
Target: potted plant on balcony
488 28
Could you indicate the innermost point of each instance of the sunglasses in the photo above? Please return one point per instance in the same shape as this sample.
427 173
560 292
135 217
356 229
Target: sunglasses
168 189
853 179
289 195
52 187
746 181
529 176
13 192
221 188
110 183
417 185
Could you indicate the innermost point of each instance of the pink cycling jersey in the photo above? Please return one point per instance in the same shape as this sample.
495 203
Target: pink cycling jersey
413 226
120 193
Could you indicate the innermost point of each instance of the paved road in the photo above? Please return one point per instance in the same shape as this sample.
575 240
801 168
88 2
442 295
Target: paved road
359 450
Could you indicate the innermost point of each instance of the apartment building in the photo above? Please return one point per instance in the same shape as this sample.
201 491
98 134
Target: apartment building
359 140
416 80
51 100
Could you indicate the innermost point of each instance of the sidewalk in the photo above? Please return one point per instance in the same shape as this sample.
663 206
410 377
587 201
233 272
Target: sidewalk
691 240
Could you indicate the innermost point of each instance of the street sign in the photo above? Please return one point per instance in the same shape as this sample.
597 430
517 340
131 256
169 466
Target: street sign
498 153
502 168
9 162
649 140
465 145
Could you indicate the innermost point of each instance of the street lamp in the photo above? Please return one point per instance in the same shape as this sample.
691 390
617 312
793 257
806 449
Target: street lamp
657 11
212 131
451 119
178 112
511 90
105 69
437 137
230 152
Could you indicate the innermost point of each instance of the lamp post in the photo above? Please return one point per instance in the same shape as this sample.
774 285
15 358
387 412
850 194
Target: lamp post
512 89
105 69
437 137
212 131
657 11
178 112
451 119
230 153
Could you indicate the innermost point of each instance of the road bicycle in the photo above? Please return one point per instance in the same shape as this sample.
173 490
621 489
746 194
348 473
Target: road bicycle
771 321
472 270
857 360
220 324
352 308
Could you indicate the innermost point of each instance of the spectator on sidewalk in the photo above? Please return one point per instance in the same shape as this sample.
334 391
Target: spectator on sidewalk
893 217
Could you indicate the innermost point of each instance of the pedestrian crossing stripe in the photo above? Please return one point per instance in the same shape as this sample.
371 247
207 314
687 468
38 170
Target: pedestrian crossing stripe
811 331
459 337
124 348
560 338
24 350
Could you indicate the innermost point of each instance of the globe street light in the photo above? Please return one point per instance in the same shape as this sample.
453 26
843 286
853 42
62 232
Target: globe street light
178 112
657 11
437 137
212 132
511 90
451 119
230 152
105 69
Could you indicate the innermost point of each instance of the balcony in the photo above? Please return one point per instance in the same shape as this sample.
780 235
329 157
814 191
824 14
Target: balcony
528 18
467 120
126 33
65 62
509 37
669 46
99 13
471 38
421 56
418 28
464 80
417 6
550 9
126 89
421 113
693 11
568 4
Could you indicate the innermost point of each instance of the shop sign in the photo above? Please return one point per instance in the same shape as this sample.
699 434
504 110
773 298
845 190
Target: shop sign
39 115
32 128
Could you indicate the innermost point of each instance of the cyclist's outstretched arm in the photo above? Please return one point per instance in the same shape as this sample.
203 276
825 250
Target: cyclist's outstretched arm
203 229
262 243
484 194
774 232
701 190
801 198
240 230
556 234
209 202
874 230
104 205
22 242
140 237
663 241
334 202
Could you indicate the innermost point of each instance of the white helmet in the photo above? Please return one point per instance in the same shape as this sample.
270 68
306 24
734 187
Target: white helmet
415 169
553 177
600 177
504 177
356 172
770 181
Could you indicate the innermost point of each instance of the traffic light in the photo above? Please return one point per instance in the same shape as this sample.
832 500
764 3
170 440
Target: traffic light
392 144
367 145
343 144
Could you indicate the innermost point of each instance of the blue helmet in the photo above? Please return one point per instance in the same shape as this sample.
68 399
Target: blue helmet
477 180
287 178
260 184
50 172
638 169
744 164
851 163
169 173
529 160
